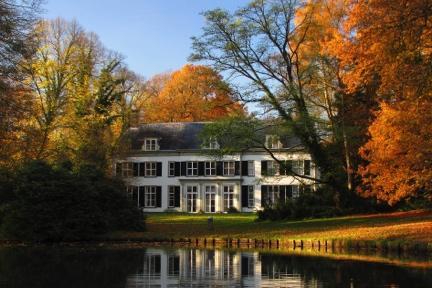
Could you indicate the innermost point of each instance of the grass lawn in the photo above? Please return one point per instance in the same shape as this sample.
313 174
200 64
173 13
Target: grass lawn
400 226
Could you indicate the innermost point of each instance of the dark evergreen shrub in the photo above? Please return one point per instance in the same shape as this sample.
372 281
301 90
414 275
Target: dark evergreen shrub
46 203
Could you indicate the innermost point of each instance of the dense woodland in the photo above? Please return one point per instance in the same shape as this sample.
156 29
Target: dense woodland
351 79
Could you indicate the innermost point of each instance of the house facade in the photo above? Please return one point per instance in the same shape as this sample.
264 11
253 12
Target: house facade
169 169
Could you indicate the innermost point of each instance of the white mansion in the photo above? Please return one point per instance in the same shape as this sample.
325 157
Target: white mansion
168 170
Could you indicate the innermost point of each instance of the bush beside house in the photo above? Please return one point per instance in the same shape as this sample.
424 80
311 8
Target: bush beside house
40 202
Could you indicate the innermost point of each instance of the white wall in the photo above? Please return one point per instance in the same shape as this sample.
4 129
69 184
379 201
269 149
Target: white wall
257 180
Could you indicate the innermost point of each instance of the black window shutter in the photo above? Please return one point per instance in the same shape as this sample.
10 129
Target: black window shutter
141 196
289 191
118 169
158 168
135 169
200 168
282 168
237 168
219 168
183 169
245 266
263 195
282 194
142 169
289 167
176 168
158 196
307 166
244 168
264 168
135 195
244 196
177 196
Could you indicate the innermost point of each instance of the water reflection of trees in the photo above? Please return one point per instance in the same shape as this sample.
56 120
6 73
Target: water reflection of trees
55 267
66 268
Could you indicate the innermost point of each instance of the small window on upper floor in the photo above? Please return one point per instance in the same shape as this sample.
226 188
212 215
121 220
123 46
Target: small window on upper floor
211 143
273 142
150 144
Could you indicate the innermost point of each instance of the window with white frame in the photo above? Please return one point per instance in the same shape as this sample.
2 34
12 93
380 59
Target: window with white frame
150 169
131 190
172 196
273 168
228 168
297 167
271 195
152 266
171 169
250 168
150 196
127 169
228 196
211 143
295 191
192 168
150 144
273 142
251 196
210 198
173 265
210 168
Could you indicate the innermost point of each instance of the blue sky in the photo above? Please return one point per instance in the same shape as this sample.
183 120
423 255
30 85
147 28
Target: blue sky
153 35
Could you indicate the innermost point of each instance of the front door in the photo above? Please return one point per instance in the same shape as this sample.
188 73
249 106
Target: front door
191 198
210 198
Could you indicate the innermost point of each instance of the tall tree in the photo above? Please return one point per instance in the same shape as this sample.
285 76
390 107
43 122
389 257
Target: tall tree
16 43
194 93
387 52
50 71
268 44
16 31
83 95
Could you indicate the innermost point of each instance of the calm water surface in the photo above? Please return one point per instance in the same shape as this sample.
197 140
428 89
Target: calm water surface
184 267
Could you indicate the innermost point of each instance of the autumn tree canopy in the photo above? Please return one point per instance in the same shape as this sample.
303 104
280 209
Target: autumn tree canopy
387 53
351 79
193 93
387 44
16 43
82 94
399 153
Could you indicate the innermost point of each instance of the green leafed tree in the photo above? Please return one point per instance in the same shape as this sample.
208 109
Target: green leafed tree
268 45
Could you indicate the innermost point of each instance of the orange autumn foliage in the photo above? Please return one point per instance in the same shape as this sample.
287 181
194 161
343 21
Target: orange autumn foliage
388 44
193 93
399 152
386 54
320 22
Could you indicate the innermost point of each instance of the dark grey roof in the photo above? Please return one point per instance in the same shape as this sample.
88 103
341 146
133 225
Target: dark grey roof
183 136
172 136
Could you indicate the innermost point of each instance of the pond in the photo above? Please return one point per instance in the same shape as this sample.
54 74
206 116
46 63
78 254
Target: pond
187 267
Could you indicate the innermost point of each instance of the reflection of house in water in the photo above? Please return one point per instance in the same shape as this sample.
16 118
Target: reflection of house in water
213 268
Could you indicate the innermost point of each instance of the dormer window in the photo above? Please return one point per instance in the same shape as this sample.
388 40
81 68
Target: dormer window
211 144
150 144
273 142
